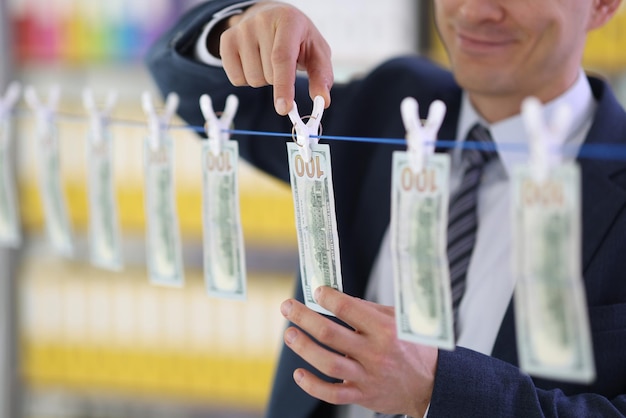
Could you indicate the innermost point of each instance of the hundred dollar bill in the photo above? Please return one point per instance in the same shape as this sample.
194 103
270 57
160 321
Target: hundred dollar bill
10 232
316 225
419 218
163 236
552 321
105 243
224 256
58 226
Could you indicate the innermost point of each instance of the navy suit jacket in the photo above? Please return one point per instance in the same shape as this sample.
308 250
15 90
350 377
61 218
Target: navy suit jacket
467 383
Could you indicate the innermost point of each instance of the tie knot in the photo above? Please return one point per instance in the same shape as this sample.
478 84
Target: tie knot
481 151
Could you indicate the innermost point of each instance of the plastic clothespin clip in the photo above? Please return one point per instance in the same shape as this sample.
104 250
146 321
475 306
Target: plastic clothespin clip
10 99
421 138
99 117
44 112
217 128
305 133
544 138
157 123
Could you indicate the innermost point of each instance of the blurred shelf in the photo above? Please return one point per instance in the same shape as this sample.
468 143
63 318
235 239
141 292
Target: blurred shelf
84 329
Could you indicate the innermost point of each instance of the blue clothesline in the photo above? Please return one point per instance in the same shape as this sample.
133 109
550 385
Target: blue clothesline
587 151
614 152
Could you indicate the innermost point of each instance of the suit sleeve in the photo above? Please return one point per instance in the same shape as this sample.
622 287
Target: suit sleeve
470 384
172 63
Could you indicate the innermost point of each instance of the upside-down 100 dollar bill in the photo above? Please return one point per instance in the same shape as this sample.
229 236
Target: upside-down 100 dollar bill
316 225
419 219
163 237
105 242
224 256
55 208
551 312
10 233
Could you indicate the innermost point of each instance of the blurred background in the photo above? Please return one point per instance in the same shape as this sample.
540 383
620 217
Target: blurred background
77 341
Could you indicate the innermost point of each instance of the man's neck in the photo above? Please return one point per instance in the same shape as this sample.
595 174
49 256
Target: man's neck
494 107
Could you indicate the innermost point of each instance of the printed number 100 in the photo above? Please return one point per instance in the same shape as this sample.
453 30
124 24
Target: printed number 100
425 181
219 163
312 169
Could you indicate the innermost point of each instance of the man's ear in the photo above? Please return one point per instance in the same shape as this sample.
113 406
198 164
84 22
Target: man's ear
603 11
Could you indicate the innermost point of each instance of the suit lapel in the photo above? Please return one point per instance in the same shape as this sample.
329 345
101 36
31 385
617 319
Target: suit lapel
599 212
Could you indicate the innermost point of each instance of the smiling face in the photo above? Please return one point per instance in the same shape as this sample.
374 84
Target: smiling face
502 51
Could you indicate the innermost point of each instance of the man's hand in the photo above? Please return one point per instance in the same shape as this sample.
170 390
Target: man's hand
267 44
378 371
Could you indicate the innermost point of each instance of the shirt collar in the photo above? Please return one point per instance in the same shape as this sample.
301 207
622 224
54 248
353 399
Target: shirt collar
510 134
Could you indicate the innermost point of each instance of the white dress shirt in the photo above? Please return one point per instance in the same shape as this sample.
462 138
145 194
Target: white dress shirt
201 51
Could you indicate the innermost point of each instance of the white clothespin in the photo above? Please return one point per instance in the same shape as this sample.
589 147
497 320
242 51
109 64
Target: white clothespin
305 131
99 117
43 112
217 128
544 138
421 138
156 123
10 99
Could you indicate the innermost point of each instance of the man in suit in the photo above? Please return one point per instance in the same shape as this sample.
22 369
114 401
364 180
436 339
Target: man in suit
500 52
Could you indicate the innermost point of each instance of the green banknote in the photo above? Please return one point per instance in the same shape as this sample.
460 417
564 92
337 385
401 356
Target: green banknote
224 255
10 234
55 208
551 313
419 218
105 240
316 225
163 236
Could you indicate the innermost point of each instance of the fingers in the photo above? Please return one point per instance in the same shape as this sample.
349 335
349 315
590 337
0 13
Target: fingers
334 393
330 363
357 313
319 85
284 59
327 332
308 52
378 372
267 44
252 64
320 72
231 60
254 48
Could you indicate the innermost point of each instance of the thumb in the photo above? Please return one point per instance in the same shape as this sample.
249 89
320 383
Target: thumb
320 83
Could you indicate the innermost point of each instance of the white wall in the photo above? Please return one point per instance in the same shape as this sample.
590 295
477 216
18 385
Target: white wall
362 33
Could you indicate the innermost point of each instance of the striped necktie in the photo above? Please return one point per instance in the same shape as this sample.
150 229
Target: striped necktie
462 215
